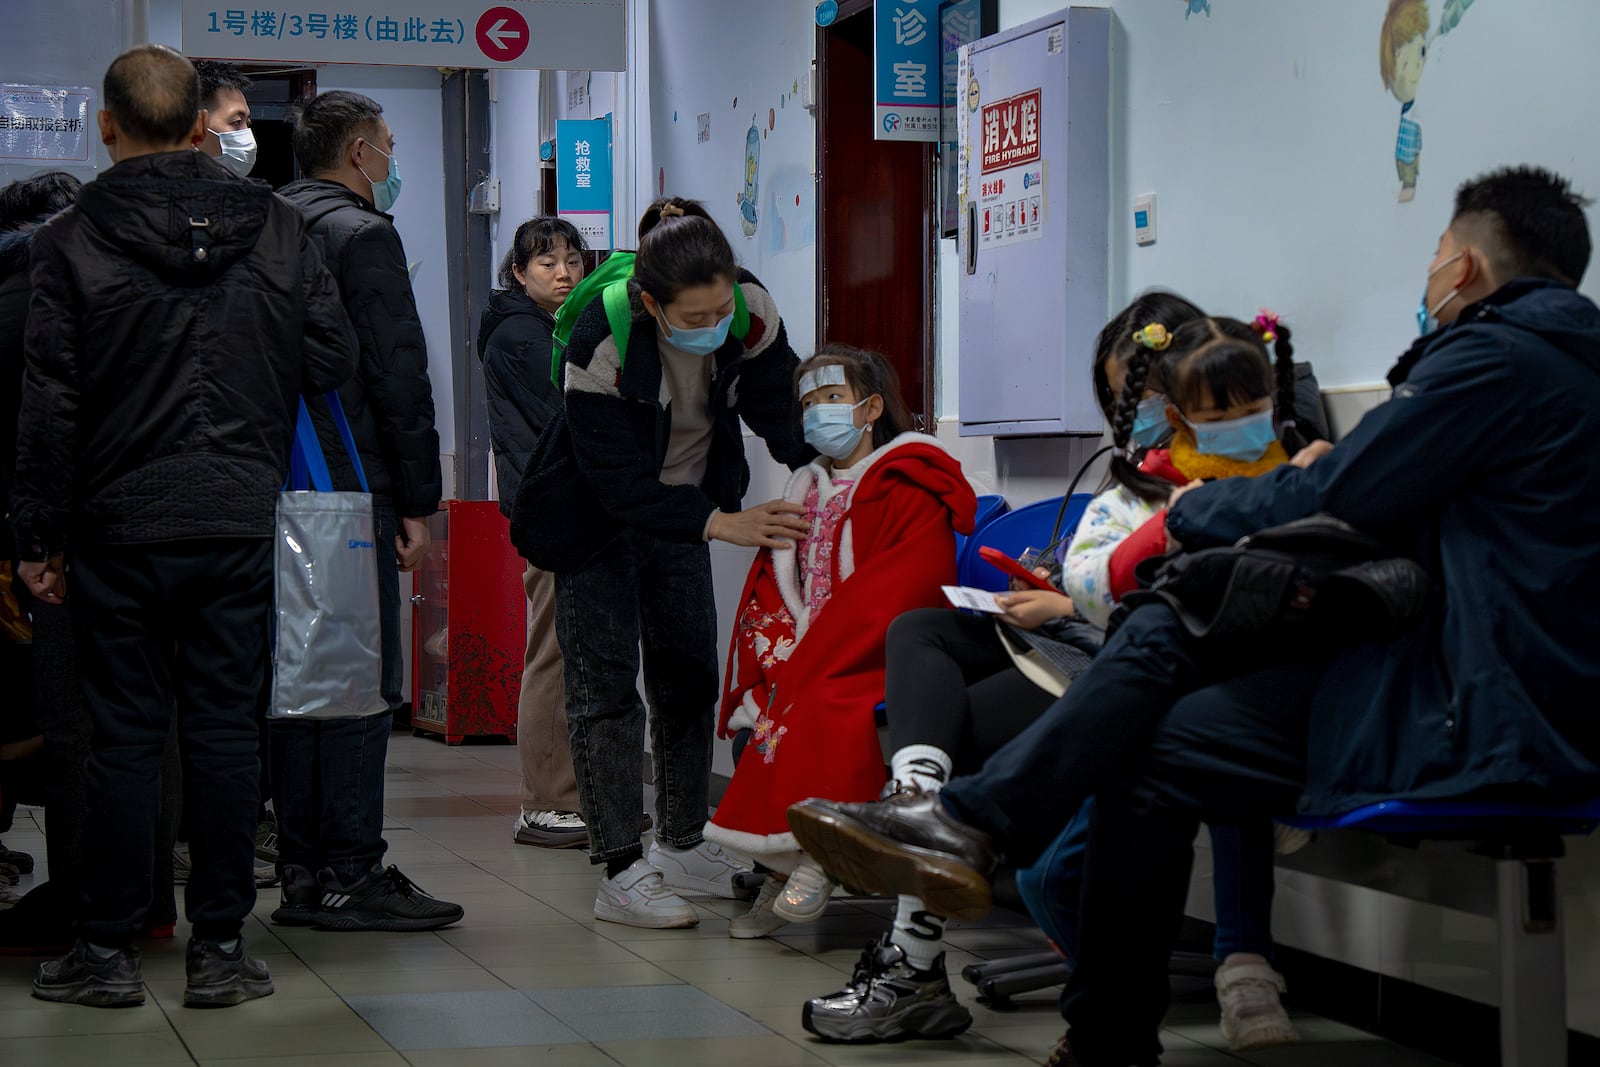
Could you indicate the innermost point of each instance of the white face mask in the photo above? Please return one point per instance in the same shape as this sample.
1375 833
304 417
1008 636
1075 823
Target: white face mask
238 150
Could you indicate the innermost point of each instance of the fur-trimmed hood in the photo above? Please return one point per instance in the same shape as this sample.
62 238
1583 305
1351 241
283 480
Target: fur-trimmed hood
16 245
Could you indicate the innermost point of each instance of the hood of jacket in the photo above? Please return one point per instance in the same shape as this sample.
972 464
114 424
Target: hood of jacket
507 304
1561 315
181 214
317 198
16 245
912 457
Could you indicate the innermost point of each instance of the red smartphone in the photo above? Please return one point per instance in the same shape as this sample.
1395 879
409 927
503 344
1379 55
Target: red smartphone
1010 566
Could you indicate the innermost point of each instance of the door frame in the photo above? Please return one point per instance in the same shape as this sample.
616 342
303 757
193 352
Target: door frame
922 406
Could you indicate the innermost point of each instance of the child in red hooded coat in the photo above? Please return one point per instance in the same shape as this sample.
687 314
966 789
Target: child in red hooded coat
806 665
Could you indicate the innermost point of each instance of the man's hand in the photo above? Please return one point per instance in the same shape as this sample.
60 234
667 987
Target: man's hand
46 581
1032 608
412 544
775 524
1311 453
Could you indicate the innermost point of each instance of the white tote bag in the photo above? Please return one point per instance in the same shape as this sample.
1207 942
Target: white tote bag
327 659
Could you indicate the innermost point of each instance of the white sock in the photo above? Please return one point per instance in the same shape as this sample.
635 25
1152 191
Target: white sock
918 933
924 766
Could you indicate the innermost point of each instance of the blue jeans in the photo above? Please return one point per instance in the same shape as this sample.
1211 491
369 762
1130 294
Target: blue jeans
1241 883
654 593
327 774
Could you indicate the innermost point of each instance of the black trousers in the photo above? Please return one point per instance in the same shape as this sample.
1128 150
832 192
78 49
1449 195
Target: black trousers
1164 734
951 684
160 625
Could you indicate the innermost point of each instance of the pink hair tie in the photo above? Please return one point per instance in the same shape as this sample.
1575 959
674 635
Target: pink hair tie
1266 324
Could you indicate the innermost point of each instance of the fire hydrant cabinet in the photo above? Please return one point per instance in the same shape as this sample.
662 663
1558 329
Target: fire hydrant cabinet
1034 136
469 626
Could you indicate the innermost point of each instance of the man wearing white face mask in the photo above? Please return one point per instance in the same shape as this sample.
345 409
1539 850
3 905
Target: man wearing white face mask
228 135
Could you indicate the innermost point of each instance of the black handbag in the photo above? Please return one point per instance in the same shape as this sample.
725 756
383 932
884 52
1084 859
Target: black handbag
1318 573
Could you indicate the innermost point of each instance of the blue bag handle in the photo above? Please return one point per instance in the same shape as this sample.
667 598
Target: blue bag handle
308 467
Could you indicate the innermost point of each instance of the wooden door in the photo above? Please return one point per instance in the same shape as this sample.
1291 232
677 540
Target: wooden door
876 217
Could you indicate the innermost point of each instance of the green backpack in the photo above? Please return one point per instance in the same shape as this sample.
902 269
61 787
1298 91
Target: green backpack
609 282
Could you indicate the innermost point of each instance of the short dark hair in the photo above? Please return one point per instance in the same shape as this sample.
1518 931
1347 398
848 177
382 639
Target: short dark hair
152 94
1536 226
680 247
1228 360
325 128
214 76
36 197
534 238
868 374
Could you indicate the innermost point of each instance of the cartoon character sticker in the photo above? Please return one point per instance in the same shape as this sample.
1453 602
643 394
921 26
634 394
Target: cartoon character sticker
1402 52
1194 7
752 167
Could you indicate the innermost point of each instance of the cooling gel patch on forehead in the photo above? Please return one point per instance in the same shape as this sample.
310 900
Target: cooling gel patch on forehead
832 374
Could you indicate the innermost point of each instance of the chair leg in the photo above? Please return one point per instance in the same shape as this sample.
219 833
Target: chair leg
1533 980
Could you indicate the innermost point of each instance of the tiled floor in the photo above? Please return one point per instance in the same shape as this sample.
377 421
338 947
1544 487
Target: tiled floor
531 978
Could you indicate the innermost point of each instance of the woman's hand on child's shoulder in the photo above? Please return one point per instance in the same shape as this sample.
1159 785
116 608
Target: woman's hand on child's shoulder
775 524
1032 608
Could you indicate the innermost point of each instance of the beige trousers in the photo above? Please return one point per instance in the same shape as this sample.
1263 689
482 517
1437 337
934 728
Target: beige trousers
548 781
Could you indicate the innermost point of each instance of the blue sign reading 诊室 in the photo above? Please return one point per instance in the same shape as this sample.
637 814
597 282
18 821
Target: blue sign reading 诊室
583 177
906 65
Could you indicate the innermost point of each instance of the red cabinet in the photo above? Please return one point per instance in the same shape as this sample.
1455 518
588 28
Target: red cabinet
469 626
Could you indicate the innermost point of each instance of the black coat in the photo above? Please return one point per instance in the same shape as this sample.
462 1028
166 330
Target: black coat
514 341
165 360
14 291
389 402
1481 468
597 470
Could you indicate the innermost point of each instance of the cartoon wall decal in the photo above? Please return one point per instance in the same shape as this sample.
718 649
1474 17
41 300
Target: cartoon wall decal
1192 7
1402 51
752 166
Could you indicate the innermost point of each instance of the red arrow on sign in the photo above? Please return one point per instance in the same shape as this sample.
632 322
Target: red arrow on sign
502 34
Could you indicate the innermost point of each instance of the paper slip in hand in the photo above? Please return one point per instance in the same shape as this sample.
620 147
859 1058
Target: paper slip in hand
970 599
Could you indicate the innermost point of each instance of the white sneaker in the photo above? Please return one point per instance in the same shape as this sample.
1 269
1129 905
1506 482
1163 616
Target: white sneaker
704 869
550 829
760 920
805 895
1252 1014
638 897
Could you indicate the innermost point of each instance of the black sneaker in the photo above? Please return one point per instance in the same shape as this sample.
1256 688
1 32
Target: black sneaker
81 977
219 979
384 900
300 897
888 1000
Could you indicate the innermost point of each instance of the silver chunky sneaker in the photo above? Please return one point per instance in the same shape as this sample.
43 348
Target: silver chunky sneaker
888 1000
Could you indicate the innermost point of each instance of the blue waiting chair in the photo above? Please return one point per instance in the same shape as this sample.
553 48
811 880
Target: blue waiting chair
990 507
1524 841
1026 527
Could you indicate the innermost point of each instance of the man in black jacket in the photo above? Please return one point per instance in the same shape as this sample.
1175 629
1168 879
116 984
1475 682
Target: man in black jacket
177 314
330 853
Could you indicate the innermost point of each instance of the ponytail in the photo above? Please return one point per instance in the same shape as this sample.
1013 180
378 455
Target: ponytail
1273 332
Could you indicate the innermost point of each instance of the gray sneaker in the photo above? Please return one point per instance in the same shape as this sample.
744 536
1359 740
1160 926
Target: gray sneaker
81 977
888 1000
219 979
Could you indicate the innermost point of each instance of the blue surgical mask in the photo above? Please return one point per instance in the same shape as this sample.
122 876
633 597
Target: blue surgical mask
1150 423
701 342
1428 318
386 192
831 429
1246 439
